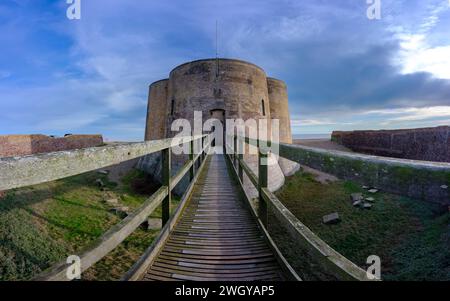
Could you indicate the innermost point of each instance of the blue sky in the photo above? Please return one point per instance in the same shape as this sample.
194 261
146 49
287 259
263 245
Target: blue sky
343 70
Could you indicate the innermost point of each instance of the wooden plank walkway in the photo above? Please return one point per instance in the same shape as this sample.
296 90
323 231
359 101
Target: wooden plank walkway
216 238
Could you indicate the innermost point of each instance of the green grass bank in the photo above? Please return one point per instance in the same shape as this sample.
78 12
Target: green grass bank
411 237
43 224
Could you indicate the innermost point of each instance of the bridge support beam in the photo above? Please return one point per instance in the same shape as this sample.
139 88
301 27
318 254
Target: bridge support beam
204 152
262 183
240 169
191 158
235 150
166 175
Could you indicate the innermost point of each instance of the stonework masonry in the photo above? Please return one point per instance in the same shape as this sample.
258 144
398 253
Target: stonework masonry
279 108
239 89
429 181
426 144
21 145
157 110
222 89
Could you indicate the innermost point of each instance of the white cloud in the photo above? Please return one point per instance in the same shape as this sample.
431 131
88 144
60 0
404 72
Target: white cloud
316 122
390 118
69 121
296 28
433 60
412 114
418 52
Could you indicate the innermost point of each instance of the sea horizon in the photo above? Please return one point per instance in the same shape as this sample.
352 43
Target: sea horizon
312 136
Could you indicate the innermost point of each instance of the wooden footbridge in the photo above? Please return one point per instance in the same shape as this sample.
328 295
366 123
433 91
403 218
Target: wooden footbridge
216 237
215 233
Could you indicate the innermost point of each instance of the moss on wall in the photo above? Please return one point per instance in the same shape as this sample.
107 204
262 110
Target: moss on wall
423 180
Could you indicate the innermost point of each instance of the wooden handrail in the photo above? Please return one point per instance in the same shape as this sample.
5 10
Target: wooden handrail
110 240
139 268
328 258
248 171
186 167
118 233
407 177
16 172
284 264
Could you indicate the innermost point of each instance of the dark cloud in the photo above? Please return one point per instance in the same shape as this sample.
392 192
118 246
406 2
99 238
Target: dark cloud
365 80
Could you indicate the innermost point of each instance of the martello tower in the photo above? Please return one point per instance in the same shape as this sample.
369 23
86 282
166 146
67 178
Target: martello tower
221 89
238 89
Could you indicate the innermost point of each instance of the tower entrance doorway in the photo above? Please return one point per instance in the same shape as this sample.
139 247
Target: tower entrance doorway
219 114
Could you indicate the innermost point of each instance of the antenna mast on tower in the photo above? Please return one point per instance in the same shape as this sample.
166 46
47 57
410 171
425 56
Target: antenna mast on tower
217 49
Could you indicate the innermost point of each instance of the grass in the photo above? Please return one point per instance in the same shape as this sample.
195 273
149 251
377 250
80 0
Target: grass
43 224
410 236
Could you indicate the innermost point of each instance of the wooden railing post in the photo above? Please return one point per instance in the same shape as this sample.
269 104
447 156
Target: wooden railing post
200 147
262 183
240 158
203 148
234 149
191 158
166 175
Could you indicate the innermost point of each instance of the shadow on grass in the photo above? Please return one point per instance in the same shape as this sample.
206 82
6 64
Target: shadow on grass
407 234
59 225
40 225
29 196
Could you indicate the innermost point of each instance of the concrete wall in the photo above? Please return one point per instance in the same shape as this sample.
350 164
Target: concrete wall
428 144
21 145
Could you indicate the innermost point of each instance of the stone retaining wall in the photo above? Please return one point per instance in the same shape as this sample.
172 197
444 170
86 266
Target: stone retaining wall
428 144
21 145
429 181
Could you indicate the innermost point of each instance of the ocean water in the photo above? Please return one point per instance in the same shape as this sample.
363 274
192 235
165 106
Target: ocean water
311 136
